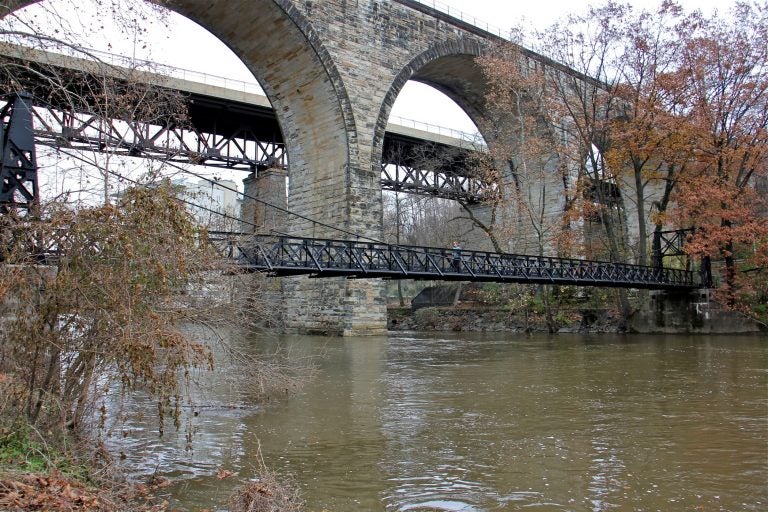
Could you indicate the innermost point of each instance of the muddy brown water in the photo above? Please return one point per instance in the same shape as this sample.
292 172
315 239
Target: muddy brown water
473 422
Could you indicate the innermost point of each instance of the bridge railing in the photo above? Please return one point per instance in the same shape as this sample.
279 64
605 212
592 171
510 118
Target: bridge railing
484 25
282 255
473 139
123 61
285 256
463 16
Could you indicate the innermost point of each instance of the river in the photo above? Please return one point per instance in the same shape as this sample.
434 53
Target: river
485 422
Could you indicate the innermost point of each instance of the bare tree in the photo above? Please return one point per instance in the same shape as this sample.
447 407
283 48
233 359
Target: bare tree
552 127
123 274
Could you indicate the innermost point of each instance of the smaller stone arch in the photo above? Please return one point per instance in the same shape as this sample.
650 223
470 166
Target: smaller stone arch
450 68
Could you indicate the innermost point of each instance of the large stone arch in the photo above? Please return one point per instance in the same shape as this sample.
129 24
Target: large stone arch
280 46
451 67
301 81
316 116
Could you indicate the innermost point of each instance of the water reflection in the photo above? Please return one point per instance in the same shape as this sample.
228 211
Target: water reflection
472 422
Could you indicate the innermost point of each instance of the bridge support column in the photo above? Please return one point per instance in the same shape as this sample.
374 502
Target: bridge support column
266 185
335 306
689 312
348 198
365 306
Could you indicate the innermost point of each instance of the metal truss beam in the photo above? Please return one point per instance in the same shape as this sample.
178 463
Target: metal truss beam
322 258
401 178
669 243
242 149
433 169
239 150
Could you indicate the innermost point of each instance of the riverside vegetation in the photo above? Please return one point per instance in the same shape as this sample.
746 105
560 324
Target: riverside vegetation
104 319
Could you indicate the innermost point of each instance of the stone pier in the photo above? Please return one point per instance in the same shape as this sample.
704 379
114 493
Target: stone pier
265 202
694 312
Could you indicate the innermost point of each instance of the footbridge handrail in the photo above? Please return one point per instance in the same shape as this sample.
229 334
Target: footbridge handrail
287 255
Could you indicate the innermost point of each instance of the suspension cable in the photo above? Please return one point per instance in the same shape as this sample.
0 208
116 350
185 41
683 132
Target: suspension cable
236 191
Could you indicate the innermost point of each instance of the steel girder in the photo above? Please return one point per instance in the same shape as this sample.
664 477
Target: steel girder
181 144
671 243
460 187
241 150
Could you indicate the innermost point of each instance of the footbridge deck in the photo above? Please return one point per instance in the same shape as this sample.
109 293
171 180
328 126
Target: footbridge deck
288 256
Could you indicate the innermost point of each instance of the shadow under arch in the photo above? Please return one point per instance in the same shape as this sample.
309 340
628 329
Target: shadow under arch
299 78
449 67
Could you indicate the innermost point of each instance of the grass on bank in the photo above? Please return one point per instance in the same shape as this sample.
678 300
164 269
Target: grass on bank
37 476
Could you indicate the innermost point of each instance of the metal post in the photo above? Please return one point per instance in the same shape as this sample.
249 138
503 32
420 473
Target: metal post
18 167
656 256
706 272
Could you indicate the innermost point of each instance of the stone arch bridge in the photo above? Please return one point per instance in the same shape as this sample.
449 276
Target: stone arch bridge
332 70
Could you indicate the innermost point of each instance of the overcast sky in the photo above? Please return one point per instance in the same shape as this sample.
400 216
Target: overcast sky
501 15
506 13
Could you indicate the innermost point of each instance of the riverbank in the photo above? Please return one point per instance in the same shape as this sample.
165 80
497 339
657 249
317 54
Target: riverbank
474 318
54 491
475 308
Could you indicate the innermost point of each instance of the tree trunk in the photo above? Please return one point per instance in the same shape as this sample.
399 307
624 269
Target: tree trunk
642 232
488 230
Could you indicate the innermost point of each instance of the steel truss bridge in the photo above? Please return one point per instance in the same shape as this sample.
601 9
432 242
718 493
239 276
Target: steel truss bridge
223 128
290 256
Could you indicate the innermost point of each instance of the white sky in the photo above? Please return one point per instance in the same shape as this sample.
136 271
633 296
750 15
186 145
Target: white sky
501 15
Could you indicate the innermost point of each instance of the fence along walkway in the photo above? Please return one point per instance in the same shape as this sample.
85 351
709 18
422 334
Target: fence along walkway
286 256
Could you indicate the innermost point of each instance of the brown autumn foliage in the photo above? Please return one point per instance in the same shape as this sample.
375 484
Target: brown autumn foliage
526 140
104 310
647 146
102 313
550 128
89 310
269 493
724 71
674 120
57 492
